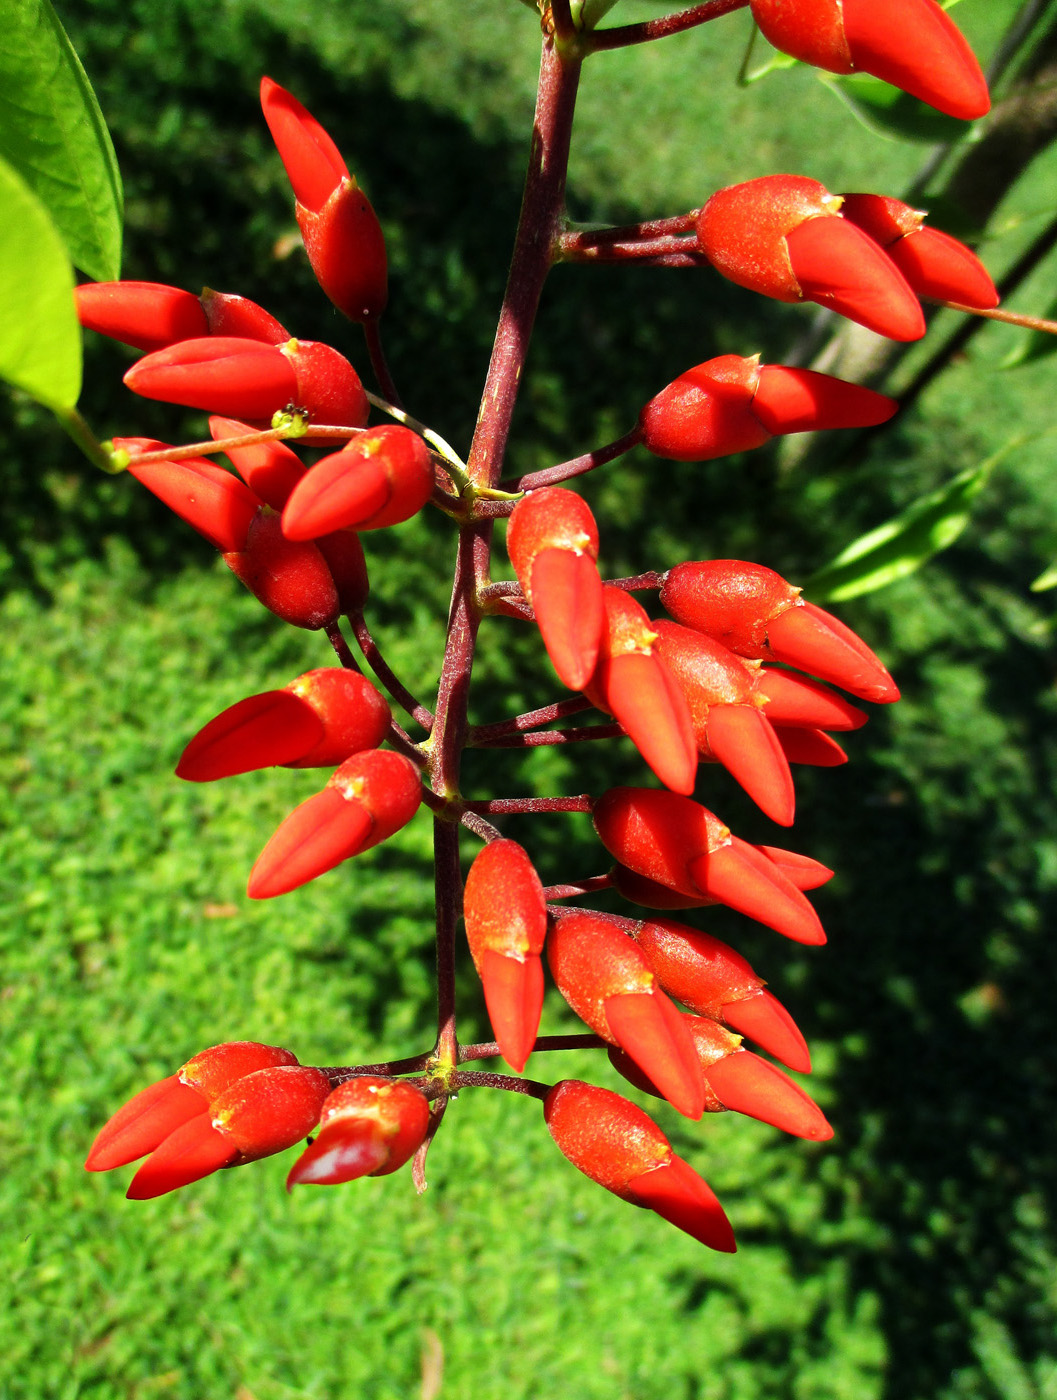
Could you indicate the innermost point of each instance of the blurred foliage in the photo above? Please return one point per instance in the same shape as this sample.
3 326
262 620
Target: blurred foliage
913 1257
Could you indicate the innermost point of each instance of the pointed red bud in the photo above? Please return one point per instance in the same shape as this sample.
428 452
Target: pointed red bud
312 161
506 923
290 577
731 404
679 843
381 477
711 979
800 702
802 871
348 568
317 721
912 44
209 498
371 796
756 613
934 264
607 981
729 725
237 316
616 1145
633 684
552 540
811 747
270 469
146 315
248 379
783 236
746 1084
368 1127
180 1120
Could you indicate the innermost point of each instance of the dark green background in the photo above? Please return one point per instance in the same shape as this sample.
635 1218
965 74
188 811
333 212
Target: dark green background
913 1257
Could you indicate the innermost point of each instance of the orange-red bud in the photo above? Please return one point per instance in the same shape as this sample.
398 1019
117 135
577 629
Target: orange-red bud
380 477
619 1147
368 1127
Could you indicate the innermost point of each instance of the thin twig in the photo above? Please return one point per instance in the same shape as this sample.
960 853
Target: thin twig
576 466
489 1050
629 233
470 1078
1011 318
388 1069
418 1165
650 29
646 250
542 737
529 806
372 332
385 674
532 719
589 886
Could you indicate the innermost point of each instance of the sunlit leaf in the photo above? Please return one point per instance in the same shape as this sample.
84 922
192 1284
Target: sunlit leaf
1047 579
901 545
40 339
53 133
893 114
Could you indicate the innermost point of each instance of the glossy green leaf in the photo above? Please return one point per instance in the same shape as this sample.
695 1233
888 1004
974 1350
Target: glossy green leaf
901 545
888 112
40 339
53 133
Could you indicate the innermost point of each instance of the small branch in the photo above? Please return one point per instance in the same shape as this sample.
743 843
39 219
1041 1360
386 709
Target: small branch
596 882
418 1165
474 822
529 806
489 1050
336 638
650 29
636 582
1011 318
577 238
576 466
381 669
448 887
372 332
645 250
402 741
470 1078
562 19
387 1069
205 449
541 737
481 734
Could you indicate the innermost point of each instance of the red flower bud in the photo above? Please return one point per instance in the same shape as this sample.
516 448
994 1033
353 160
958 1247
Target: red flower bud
368 1127
209 498
380 477
800 702
552 540
619 1147
713 980
633 684
738 1080
371 796
756 613
291 578
247 379
228 1105
317 721
679 843
782 236
341 233
732 404
810 746
506 923
150 316
934 264
270 469
730 726
912 44
801 871
607 981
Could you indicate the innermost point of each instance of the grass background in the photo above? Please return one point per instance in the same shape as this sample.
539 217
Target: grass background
911 1257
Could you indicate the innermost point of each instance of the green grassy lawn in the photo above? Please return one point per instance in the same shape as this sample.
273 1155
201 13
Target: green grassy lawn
912 1258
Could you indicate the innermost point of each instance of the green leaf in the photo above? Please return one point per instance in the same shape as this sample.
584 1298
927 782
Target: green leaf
893 114
587 13
53 133
40 339
901 545
1047 579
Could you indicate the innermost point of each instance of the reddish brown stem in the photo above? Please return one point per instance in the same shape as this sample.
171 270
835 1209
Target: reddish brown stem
383 671
530 806
576 466
596 882
538 738
650 29
638 250
636 582
372 332
468 1078
490 1050
414 1064
482 734
576 238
